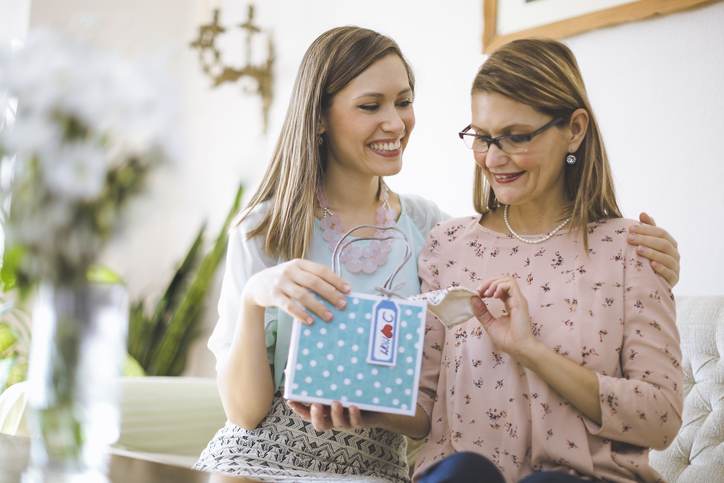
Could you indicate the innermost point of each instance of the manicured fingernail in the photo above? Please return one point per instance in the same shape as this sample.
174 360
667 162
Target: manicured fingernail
328 315
342 303
347 288
310 320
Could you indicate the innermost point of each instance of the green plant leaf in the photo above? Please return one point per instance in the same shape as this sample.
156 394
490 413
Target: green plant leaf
8 338
103 275
184 321
136 323
131 367
154 327
12 259
13 369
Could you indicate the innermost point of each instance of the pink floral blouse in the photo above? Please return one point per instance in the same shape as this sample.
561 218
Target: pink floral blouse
607 311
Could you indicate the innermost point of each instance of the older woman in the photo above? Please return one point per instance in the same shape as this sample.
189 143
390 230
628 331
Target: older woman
580 376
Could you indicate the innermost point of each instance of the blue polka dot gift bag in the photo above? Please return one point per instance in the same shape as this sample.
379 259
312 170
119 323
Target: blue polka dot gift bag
369 355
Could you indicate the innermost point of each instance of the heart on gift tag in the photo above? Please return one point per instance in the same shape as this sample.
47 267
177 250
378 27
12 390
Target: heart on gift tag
387 330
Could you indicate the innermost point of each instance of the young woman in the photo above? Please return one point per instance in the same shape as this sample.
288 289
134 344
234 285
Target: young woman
349 120
348 123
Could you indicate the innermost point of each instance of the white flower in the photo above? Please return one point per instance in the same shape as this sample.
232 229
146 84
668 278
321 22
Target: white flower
75 171
31 133
82 115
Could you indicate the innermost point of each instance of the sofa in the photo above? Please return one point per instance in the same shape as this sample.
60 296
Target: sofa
697 453
170 420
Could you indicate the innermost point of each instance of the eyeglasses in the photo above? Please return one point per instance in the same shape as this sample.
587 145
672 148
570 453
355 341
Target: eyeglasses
508 143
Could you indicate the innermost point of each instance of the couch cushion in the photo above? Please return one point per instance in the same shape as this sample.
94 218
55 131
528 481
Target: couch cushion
697 453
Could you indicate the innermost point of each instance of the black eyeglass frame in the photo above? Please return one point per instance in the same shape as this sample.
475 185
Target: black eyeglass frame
516 138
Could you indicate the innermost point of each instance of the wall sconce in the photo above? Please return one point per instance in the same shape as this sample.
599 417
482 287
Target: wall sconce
213 66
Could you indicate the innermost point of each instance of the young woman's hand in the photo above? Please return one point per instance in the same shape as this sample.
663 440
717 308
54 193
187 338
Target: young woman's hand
658 246
291 287
336 416
511 331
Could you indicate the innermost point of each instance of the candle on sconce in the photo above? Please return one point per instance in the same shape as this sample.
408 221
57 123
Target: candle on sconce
254 74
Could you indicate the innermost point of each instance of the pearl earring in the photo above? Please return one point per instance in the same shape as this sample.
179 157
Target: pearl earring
320 139
571 159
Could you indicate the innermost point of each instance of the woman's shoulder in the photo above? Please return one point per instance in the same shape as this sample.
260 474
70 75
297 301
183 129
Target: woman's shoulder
249 218
425 214
608 240
242 225
451 229
610 230
615 223
457 222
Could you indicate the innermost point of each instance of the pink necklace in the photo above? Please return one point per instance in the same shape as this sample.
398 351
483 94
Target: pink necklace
356 259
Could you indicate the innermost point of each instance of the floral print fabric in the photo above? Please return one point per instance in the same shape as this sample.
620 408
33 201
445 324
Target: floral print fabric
605 309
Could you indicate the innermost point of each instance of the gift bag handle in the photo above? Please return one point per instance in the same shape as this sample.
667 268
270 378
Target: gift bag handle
342 244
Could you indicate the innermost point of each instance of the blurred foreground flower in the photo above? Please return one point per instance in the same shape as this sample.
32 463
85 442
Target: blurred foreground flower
88 128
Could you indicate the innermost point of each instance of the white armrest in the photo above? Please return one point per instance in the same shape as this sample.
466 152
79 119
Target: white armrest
171 415
12 410
165 415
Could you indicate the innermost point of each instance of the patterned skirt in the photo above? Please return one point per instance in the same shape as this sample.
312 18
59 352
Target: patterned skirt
285 448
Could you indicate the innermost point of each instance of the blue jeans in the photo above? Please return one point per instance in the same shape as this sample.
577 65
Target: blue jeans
469 467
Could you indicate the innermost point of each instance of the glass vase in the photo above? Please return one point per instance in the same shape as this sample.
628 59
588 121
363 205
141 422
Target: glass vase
78 345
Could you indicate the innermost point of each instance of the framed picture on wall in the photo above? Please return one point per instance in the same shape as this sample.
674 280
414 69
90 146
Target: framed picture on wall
506 20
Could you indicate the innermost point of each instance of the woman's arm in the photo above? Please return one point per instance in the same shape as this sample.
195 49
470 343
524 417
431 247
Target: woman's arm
574 383
512 334
644 406
252 282
239 327
245 381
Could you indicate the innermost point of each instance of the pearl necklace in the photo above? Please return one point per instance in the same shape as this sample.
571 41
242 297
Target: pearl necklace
366 259
532 240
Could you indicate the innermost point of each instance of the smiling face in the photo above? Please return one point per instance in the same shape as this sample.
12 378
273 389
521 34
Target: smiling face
370 120
535 176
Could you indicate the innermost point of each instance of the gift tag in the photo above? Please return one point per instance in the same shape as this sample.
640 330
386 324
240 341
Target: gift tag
383 333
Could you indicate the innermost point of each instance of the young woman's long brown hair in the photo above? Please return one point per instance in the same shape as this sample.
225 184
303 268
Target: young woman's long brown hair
298 163
544 75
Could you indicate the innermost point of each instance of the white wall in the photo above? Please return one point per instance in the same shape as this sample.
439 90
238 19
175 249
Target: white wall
655 86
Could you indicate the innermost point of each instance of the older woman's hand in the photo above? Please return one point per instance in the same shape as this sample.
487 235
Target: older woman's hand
511 332
657 245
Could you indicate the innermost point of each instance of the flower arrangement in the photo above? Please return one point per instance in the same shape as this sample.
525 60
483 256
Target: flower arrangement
88 128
